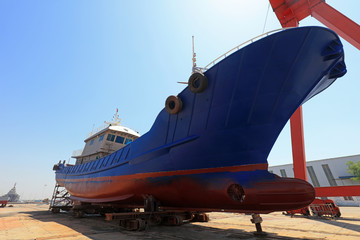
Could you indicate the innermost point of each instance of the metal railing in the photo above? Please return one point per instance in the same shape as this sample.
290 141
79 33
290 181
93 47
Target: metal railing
212 63
77 152
96 130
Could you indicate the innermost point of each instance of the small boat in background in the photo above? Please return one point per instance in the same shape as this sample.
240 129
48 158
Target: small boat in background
11 196
207 149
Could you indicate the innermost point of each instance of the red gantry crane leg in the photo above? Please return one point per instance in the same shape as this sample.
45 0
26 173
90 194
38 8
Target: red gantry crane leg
298 144
290 13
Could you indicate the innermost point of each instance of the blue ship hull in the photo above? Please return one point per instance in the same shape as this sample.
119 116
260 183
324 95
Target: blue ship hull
212 154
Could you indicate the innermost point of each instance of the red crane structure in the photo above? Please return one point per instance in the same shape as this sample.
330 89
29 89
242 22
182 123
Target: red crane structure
290 13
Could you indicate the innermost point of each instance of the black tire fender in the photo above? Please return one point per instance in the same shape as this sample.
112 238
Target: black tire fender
173 104
198 82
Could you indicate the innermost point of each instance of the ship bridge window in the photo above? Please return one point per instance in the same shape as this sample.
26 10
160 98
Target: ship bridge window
101 137
110 137
119 139
128 140
92 141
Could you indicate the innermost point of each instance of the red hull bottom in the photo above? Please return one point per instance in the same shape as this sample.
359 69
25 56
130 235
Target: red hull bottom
194 193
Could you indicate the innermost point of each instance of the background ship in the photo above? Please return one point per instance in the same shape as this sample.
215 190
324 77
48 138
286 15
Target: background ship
11 196
207 150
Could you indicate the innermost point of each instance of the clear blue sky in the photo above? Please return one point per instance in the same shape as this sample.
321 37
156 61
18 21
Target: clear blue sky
67 65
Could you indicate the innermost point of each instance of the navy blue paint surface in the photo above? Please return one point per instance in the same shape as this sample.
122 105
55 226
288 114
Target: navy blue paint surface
251 94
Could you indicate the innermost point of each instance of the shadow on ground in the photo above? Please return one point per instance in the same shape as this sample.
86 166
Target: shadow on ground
95 227
340 222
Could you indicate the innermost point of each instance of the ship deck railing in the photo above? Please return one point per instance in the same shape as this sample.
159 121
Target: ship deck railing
223 56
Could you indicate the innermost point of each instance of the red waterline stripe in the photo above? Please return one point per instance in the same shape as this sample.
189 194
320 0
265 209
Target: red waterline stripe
241 168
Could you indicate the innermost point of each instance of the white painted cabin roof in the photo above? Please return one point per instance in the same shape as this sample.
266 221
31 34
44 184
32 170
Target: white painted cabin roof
114 128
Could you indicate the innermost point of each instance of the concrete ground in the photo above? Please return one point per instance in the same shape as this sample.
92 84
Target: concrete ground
33 221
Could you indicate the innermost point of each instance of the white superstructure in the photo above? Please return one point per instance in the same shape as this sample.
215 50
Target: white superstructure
104 141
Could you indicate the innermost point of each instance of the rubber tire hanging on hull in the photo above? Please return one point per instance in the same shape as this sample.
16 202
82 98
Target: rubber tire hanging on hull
198 82
173 104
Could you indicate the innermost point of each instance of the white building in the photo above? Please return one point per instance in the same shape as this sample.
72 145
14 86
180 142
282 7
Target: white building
325 173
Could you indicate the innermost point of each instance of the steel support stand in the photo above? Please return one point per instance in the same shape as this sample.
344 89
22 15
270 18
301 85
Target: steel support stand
257 220
150 204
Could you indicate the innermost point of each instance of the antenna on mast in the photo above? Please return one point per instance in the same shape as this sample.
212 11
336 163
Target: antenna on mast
194 68
115 120
194 56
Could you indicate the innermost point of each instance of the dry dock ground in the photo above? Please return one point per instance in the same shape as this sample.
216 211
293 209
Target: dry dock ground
33 221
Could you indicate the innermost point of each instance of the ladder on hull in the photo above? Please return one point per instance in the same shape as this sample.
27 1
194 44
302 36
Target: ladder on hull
60 200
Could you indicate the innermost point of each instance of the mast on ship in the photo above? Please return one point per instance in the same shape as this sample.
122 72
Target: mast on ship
194 56
115 121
